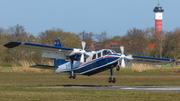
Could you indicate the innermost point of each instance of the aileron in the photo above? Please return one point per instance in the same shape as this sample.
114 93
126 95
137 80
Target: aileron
151 60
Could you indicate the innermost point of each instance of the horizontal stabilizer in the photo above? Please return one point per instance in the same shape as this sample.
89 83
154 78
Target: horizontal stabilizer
44 67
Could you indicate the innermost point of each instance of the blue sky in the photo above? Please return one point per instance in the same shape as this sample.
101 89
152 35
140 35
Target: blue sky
113 16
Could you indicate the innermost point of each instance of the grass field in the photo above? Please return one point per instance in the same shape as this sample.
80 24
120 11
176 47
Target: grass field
23 86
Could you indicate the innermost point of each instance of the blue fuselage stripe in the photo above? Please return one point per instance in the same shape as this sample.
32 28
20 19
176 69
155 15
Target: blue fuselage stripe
96 66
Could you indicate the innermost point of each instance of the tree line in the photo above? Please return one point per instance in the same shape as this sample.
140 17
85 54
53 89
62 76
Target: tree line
138 40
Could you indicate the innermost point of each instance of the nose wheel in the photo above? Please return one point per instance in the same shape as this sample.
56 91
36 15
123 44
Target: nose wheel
111 79
72 75
117 68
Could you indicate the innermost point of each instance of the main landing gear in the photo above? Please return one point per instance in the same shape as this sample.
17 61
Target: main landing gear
111 79
72 75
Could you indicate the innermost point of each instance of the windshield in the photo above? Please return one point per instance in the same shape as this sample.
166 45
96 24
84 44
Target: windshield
105 52
113 51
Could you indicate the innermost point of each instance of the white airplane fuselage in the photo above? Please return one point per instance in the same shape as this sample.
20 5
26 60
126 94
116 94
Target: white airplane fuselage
92 67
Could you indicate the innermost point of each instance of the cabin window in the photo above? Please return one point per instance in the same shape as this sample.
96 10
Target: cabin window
99 54
104 52
94 56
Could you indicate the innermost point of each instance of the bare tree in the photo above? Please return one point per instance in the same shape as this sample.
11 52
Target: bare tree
138 41
171 44
18 33
102 37
88 37
116 39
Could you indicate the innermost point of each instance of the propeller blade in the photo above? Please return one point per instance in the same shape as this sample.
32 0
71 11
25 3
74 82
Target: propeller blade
74 51
89 54
82 58
122 63
122 49
83 45
129 57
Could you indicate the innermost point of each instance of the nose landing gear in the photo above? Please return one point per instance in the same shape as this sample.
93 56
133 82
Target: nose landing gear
117 67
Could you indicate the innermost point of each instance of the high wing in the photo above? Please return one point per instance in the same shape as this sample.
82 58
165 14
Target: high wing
151 60
46 50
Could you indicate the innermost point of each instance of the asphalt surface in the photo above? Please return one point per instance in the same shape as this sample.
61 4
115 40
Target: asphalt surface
161 89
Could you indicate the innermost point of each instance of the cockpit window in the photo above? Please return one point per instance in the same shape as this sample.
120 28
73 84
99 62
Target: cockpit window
113 51
108 52
105 52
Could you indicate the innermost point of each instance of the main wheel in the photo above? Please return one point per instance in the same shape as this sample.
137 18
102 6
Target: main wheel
117 67
74 76
109 80
114 80
70 75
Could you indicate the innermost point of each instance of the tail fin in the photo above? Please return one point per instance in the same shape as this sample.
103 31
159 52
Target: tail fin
58 62
57 43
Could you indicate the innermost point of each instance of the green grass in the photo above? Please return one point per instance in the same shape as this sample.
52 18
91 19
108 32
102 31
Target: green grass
124 78
6 65
11 93
23 86
9 64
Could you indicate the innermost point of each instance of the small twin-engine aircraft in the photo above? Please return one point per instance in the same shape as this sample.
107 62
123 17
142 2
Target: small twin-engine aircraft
79 61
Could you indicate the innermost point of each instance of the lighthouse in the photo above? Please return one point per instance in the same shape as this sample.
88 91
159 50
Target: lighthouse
158 20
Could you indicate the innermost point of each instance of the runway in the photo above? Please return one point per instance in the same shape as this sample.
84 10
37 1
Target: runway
158 89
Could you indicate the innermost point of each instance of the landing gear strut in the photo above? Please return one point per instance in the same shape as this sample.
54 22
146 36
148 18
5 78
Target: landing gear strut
111 79
72 74
118 66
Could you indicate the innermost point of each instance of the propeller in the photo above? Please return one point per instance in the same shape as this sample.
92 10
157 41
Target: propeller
122 57
82 52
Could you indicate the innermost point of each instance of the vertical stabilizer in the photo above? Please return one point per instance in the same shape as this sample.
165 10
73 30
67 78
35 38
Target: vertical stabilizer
57 43
58 62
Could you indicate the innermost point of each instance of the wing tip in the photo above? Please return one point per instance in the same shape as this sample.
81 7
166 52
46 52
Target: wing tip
12 44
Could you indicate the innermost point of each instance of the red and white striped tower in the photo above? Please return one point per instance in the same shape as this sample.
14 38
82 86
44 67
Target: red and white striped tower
158 20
